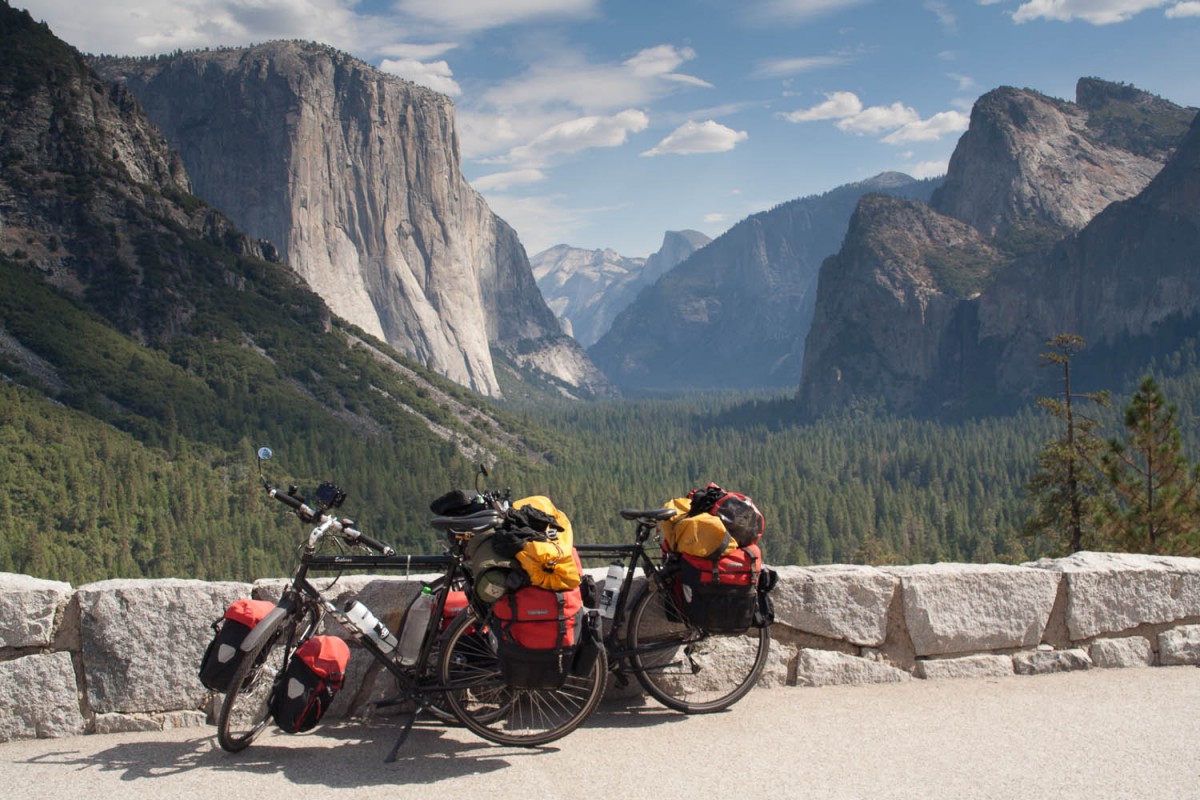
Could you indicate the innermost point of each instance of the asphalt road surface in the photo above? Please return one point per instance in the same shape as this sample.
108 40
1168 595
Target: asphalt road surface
1127 733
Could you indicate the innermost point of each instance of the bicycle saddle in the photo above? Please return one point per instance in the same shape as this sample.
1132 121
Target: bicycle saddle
649 515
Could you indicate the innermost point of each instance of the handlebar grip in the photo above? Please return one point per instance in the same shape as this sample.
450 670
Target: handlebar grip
374 544
293 503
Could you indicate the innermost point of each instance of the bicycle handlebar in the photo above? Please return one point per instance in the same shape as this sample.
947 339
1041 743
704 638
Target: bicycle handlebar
342 528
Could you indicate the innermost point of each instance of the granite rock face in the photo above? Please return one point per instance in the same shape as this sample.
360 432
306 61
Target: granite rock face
1083 220
1028 158
355 176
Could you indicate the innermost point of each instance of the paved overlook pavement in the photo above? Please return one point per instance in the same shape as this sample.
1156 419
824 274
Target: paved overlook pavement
1124 733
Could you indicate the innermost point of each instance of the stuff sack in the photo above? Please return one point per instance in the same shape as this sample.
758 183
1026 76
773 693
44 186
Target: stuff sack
539 536
224 654
696 534
537 631
549 566
742 520
721 595
458 503
311 680
493 572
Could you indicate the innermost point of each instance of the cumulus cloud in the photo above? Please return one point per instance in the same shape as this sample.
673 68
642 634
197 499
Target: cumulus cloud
837 105
904 122
417 52
879 118
477 15
929 130
579 134
694 138
1188 9
435 75
1097 12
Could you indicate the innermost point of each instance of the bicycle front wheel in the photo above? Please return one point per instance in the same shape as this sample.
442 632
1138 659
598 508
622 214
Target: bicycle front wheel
484 703
246 708
687 668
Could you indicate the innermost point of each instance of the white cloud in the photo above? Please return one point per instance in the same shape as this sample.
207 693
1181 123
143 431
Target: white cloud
1097 12
904 122
579 134
836 106
879 118
928 169
929 130
503 181
783 67
945 17
1188 9
569 80
435 74
965 82
159 26
716 217
694 138
477 15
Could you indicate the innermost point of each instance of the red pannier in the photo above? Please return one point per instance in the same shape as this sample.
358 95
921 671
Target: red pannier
223 654
721 594
313 677
537 632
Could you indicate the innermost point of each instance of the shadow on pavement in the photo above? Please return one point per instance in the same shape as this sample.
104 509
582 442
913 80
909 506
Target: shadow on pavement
340 754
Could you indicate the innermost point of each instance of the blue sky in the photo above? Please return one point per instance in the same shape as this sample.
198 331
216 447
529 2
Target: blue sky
604 123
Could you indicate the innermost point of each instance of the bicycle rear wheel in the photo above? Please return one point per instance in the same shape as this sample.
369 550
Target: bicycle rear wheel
246 708
485 704
687 668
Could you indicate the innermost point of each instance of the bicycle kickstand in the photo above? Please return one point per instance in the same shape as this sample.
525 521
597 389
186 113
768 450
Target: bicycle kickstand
403 737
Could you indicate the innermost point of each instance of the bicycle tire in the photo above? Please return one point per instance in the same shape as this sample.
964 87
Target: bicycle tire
686 668
520 717
245 710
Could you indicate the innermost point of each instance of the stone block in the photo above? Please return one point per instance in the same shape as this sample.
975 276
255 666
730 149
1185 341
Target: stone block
1109 593
1130 651
968 608
39 698
1042 662
835 601
143 641
28 608
979 666
831 668
1179 646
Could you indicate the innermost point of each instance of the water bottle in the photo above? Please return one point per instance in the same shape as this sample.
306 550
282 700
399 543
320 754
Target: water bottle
416 621
612 586
370 625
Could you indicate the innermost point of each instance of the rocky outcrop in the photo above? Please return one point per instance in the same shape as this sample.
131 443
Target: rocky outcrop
588 288
888 304
745 301
1054 218
1128 274
355 176
122 655
1028 160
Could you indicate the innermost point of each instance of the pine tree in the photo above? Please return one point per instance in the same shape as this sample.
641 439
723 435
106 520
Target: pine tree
1156 496
1067 488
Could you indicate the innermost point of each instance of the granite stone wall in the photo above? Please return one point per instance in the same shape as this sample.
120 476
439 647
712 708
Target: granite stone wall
122 655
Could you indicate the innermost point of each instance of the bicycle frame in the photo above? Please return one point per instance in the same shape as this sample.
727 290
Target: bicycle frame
301 591
634 555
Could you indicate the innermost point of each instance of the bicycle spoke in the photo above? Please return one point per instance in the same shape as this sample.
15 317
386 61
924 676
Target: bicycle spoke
686 668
